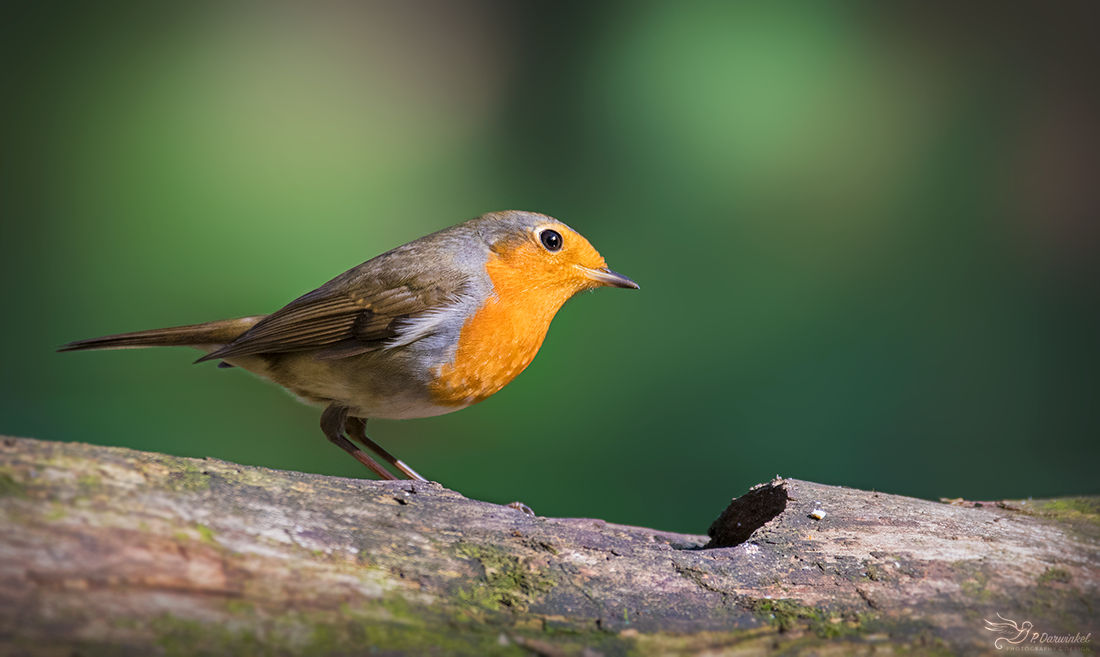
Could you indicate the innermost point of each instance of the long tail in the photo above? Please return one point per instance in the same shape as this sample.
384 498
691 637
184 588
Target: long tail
196 335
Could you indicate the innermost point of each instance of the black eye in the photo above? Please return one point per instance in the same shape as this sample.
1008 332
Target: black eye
551 239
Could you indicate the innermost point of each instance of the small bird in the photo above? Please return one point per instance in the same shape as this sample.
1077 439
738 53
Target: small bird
427 328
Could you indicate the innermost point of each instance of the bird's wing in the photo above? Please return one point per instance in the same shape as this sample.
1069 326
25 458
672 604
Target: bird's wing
357 312
1008 626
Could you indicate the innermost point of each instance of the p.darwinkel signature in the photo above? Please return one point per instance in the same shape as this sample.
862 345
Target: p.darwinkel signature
1013 635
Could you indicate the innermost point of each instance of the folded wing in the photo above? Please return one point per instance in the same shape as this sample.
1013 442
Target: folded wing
350 315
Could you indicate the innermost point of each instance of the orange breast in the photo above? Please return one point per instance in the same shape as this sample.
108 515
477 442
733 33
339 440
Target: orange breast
501 339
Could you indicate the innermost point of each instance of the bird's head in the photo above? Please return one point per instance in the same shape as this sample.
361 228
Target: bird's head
535 264
540 255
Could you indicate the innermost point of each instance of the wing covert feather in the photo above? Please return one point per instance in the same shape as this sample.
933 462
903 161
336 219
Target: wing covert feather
350 315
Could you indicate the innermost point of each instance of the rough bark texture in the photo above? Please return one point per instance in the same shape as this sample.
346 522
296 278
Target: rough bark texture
113 551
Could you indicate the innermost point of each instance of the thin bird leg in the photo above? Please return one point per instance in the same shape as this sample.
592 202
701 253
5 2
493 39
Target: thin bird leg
332 424
357 429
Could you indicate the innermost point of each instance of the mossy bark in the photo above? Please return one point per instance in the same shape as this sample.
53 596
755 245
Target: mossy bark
111 551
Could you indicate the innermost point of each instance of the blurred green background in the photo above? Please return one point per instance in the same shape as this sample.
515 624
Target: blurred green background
866 233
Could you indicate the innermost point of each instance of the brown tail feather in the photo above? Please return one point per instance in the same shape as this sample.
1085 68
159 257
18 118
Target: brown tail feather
210 333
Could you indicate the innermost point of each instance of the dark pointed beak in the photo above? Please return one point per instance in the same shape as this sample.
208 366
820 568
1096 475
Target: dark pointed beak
605 276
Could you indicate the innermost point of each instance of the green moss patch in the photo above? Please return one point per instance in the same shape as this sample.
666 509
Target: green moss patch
1079 515
786 615
206 535
1088 506
9 487
1051 575
185 477
510 583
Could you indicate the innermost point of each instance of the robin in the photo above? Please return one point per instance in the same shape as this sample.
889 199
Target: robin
428 328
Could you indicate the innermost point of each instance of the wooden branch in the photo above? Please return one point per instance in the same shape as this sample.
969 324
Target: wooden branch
112 551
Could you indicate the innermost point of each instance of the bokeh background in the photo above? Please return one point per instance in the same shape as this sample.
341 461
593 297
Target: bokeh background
866 233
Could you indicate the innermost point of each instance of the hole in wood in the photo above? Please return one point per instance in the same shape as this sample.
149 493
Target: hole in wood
746 514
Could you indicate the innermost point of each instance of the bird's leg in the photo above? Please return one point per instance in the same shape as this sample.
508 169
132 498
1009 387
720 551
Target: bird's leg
357 429
332 424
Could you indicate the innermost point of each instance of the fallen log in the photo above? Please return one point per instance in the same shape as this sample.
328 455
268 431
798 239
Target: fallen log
112 551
